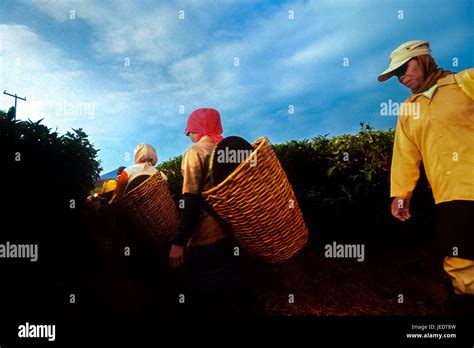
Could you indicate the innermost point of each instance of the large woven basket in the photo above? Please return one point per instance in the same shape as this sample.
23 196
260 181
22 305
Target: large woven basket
260 206
151 209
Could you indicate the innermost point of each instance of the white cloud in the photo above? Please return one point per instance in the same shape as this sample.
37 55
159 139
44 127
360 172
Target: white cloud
190 62
59 90
38 70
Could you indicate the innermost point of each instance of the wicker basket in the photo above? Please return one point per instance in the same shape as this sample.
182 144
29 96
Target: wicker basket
259 204
151 209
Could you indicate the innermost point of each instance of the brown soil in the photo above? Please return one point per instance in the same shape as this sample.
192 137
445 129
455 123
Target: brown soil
345 287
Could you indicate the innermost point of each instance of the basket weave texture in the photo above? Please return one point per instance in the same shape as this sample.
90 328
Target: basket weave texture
260 206
151 209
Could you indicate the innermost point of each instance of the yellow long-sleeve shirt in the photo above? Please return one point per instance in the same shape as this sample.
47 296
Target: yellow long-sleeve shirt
437 126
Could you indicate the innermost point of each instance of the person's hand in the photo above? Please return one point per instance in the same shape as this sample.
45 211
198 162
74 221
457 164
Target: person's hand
176 256
401 208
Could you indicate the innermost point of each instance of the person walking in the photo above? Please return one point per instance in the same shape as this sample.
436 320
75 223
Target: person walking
216 280
436 126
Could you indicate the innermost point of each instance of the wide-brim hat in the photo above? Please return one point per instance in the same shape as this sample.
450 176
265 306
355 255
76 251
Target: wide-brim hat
403 54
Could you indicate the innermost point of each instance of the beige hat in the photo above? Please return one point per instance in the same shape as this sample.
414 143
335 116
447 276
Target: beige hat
403 54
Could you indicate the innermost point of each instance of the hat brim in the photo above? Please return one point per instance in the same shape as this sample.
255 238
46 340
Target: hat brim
388 73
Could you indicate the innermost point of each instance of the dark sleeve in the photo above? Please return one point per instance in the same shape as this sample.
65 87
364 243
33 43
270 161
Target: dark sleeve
189 218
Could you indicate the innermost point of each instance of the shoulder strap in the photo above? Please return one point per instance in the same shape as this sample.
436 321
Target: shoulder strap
224 225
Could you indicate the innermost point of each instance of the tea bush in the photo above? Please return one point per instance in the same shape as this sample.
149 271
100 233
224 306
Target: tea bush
46 178
342 185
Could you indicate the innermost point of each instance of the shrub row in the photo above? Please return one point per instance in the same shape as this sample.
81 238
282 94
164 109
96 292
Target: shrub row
342 183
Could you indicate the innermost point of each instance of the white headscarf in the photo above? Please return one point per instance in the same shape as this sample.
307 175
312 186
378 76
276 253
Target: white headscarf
145 153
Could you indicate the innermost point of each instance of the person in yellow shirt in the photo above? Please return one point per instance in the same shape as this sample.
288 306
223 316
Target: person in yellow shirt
436 126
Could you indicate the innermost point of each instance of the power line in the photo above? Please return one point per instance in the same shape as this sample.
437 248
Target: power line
16 97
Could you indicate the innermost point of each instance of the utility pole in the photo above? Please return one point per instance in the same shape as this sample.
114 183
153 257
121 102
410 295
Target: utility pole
16 97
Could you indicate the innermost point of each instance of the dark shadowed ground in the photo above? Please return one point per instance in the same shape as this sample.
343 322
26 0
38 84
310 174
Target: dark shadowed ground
318 286
345 287
93 266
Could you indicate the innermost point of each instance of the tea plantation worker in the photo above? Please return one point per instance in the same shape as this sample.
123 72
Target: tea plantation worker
145 161
96 201
437 127
147 269
110 185
214 273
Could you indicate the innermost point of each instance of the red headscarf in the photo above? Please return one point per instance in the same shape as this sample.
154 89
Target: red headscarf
205 121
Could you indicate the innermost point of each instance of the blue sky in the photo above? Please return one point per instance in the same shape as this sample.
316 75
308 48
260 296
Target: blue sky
130 72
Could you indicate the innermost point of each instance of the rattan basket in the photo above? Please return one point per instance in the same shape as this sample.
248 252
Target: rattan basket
260 206
151 209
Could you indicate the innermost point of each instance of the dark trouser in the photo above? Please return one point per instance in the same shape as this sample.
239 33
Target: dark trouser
455 229
455 235
219 283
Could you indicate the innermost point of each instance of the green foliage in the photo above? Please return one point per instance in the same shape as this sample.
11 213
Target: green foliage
343 178
342 182
172 169
82 156
49 168
45 179
359 166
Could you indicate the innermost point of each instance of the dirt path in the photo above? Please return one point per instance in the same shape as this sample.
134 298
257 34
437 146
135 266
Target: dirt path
340 287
